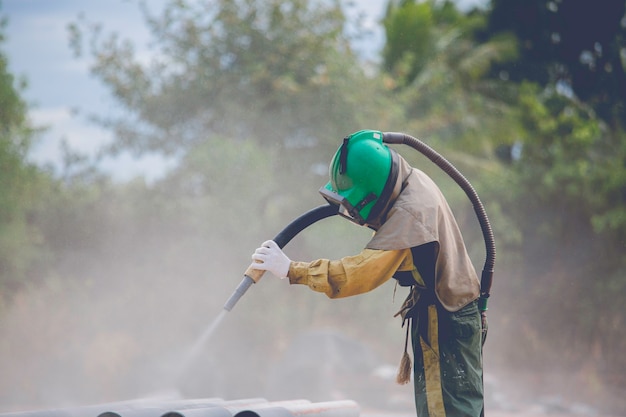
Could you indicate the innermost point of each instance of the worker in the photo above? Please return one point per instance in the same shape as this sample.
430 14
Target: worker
416 241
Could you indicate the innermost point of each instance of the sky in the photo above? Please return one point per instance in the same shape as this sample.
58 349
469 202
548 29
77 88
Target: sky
59 84
38 50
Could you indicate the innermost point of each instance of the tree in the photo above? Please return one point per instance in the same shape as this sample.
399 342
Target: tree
439 79
279 72
20 185
565 192
576 44
409 39
564 187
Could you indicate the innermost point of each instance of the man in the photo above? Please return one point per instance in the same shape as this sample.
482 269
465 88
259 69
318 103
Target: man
417 242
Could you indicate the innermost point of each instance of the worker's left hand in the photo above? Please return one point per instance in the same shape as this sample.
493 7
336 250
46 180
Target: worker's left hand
269 257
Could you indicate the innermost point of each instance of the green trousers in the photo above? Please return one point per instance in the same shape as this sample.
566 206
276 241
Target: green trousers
448 367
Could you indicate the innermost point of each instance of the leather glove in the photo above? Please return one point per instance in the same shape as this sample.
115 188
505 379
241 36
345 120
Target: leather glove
269 257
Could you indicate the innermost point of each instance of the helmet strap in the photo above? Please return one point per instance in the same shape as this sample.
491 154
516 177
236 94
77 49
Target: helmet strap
343 156
366 200
390 185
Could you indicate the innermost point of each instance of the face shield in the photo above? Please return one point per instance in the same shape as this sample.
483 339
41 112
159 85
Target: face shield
346 209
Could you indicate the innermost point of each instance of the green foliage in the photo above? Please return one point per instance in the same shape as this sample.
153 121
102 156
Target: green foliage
447 97
572 162
562 192
278 72
408 29
12 107
556 49
21 187
419 32
18 238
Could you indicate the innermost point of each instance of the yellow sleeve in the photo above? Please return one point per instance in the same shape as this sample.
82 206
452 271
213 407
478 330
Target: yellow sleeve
351 275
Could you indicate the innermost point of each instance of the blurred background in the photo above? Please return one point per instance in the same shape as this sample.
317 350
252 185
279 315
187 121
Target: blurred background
148 148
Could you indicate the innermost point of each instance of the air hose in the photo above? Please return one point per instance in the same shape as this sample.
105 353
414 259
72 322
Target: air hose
252 275
490 246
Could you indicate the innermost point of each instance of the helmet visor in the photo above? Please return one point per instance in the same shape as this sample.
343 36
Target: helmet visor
346 209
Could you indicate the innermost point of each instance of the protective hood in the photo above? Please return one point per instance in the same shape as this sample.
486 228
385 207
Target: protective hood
420 214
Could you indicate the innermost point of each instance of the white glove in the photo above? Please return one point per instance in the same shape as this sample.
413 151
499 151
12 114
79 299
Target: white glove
269 257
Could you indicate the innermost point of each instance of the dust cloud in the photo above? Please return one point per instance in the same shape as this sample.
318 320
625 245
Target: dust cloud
140 315
136 327
126 325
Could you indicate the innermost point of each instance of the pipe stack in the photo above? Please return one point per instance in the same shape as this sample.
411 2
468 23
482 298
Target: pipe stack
209 407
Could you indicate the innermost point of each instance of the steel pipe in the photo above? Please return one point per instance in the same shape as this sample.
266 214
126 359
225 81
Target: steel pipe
231 408
346 408
216 405
89 410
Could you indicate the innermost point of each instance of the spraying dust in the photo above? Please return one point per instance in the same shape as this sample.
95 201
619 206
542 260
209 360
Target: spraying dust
195 350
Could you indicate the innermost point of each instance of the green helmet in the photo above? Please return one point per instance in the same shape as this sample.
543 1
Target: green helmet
363 174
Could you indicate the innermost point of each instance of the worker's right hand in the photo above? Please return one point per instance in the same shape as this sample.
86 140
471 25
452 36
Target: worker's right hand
269 257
